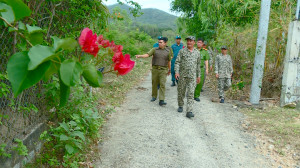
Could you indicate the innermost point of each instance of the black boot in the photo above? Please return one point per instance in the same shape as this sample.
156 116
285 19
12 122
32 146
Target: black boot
162 103
180 109
197 99
153 99
173 83
189 115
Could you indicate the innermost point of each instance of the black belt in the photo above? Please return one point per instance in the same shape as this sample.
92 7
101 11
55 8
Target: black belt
159 67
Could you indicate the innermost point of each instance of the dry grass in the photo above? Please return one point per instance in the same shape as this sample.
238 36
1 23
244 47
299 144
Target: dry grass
278 132
115 87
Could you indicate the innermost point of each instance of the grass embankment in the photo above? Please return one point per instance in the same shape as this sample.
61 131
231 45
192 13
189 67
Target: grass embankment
115 87
73 134
278 133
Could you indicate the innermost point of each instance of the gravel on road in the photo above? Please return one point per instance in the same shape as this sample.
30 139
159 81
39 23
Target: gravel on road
143 134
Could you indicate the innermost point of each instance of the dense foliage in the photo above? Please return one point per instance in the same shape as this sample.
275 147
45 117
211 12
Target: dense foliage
235 23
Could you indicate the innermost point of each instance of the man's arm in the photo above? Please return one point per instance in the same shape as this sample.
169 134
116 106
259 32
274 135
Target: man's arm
198 70
177 64
142 56
216 66
206 67
169 67
231 67
150 53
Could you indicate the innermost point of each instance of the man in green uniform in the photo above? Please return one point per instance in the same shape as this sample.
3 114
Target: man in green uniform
223 70
161 65
187 72
204 68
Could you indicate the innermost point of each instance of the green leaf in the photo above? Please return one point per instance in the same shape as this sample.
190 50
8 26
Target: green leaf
21 26
18 74
36 38
36 34
92 76
64 93
39 54
33 29
66 44
70 72
63 137
22 45
64 126
54 68
69 148
20 9
7 13
79 134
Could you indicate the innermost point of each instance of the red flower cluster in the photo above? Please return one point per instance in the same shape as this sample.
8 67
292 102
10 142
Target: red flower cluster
91 44
87 41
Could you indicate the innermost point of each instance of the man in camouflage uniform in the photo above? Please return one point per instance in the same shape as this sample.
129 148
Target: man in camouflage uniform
161 65
204 67
223 70
187 71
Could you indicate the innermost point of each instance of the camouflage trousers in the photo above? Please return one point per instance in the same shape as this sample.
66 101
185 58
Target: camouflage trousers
223 85
186 86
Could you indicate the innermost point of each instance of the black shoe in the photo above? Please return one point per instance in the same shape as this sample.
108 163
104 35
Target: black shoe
201 90
222 100
189 115
173 83
197 99
162 103
180 109
153 99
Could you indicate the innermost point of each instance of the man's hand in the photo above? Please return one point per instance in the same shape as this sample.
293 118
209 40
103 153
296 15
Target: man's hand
177 76
169 72
198 80
217 75
206 71
211 68
137 56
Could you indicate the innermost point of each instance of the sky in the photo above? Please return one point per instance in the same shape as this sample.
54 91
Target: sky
163 5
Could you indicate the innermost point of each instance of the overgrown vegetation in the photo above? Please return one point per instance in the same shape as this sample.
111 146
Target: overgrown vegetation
235 23
74 126
280 127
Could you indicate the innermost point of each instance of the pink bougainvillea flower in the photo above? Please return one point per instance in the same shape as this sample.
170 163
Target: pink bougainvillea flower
125 65
105 43
117 48
100 39
118 57
112 44
87 41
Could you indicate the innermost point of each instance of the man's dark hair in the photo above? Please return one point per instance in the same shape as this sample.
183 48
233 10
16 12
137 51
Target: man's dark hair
165 39
200 39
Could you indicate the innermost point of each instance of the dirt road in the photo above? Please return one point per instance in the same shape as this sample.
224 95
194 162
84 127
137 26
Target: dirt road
142 134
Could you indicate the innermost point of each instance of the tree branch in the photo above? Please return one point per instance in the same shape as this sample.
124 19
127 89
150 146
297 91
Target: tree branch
10 25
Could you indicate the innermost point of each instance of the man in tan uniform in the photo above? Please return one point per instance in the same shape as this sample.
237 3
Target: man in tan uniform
161 65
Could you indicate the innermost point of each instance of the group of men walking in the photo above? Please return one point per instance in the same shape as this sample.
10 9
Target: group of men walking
188 67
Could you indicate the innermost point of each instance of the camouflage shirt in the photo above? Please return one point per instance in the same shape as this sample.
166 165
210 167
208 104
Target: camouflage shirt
188 63
223 66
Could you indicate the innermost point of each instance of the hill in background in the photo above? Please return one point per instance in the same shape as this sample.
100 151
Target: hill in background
151 16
